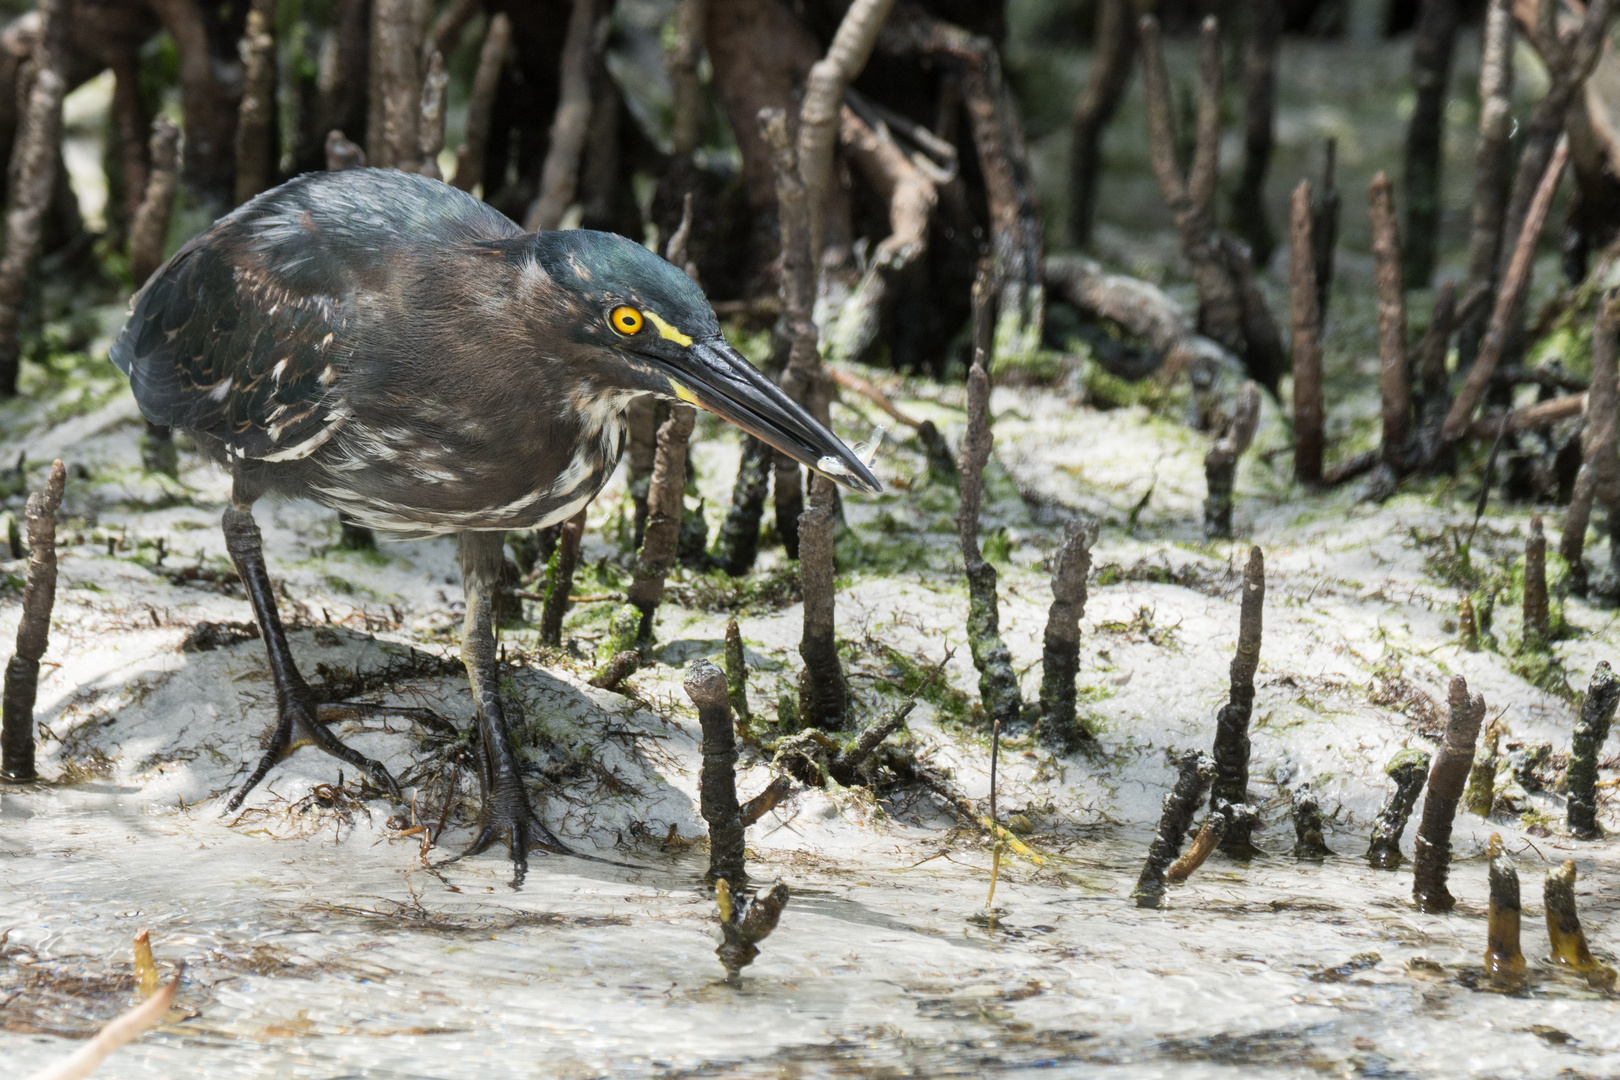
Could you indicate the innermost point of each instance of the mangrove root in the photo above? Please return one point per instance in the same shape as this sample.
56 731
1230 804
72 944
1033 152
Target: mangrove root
1195 770
1564 929
737 546
1431 851
775 793
664 505
619 667
1504 962
1537 627
998 682
1306 314
33 631
823 690
1480 794
1220 464
1309 841
1407 769
1059 726
560 580
744 923
737 677
1591 731
1231 753
706 685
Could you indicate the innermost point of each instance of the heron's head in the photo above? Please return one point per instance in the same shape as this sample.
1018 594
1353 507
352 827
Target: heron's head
646 326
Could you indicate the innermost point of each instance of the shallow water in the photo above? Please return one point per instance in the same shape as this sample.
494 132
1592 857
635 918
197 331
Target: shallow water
309 957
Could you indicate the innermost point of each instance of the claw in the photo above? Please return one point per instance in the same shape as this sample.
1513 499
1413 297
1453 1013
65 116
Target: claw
303 724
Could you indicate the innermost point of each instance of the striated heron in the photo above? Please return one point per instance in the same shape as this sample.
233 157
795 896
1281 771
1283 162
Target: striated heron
397 350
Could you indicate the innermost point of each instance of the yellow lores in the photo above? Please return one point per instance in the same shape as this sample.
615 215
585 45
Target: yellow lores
667 331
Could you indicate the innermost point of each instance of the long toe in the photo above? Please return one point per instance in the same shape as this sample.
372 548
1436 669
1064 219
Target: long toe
305 724
380 776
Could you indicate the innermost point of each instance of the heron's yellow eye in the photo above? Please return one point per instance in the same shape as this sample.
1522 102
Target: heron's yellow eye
626 320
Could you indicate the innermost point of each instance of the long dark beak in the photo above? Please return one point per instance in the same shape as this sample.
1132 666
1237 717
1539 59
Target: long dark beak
719 378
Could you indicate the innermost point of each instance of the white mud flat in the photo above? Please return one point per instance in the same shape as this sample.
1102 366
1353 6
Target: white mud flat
321 937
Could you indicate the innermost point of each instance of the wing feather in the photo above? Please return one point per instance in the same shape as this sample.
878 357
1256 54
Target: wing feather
245 333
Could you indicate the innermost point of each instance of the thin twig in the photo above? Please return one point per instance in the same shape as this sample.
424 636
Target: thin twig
1515 283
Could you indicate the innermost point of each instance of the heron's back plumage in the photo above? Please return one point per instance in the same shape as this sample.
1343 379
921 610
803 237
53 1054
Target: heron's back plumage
379 338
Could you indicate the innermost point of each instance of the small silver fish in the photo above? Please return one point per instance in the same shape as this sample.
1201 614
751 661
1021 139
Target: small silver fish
865 451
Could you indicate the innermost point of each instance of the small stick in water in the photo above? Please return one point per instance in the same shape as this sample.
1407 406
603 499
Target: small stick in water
1231 752
1564 928
706 686
1203 846
1431 851
1504 963
33 631
1309 843
995 839
1196 769
146 973
744 924
1408 769
1591 731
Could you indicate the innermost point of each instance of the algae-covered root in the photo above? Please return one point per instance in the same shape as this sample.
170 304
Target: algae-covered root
1309 842
1569 946
744 923
1194 772
1231 753
1591 731
1504 961
706 686
1408 770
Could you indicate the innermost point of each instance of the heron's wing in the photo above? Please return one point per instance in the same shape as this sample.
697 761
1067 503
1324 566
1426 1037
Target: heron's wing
227 346
246 334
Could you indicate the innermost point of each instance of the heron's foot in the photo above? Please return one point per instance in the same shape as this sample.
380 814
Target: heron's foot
508 815
304 723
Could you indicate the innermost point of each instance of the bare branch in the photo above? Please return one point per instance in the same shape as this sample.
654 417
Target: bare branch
430 124
1394 385
150 228
256 137
1515 283
559 179
824 99
1307 320
486 81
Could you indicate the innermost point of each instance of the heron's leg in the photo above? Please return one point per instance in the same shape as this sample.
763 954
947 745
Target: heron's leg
506 808
298 715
